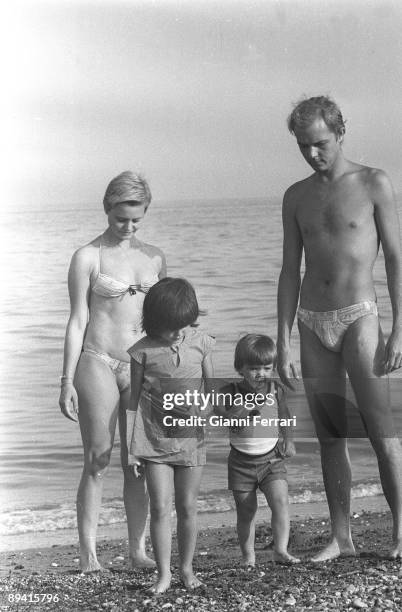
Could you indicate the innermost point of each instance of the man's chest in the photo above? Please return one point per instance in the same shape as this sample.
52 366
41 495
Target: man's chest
322 214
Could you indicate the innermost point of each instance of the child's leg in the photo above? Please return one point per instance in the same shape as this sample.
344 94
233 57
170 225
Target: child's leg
246 508
186 485
160 484
276 493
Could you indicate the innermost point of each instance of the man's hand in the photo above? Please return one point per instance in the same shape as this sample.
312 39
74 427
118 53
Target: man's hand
286 368
287 448
393 352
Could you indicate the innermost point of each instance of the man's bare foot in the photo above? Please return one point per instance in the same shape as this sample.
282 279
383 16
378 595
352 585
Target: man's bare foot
190 581
141 562
333 551
284 558
395 551
161 585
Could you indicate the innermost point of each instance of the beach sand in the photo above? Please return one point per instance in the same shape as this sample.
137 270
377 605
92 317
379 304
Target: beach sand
369 582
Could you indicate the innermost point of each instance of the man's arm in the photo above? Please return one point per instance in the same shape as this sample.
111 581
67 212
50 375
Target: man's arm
289 287
288 447
387 221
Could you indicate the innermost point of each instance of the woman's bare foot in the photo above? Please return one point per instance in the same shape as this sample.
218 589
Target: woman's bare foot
284 558
141 562
161 585
395 551
333 551
190 581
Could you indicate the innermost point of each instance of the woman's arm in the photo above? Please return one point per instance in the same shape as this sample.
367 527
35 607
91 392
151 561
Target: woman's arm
78 287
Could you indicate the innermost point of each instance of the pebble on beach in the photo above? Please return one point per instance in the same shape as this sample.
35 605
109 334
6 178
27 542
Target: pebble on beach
368 582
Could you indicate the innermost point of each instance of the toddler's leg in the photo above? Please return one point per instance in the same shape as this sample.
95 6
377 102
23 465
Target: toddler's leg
160 484
186 484
246 507
276 493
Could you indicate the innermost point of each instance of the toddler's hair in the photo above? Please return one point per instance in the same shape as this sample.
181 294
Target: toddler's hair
254 349
127 187
170 304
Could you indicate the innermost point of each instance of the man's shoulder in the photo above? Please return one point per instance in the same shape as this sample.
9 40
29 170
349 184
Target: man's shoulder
368 175
296 194
375 181
294 191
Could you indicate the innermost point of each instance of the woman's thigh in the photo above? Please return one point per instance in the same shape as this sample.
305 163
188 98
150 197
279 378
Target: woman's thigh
98 402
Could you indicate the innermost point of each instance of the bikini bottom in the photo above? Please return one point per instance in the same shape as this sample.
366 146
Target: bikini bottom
331 326
120 369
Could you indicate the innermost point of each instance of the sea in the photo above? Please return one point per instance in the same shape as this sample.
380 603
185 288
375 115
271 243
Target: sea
231 251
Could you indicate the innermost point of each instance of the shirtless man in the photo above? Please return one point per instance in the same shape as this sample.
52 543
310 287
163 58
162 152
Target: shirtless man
339 215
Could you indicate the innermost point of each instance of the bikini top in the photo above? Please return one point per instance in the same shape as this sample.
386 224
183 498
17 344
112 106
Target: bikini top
109 287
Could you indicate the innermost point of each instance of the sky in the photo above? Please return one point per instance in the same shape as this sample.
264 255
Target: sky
193 93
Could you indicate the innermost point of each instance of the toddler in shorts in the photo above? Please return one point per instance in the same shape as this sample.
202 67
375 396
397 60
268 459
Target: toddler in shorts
258 450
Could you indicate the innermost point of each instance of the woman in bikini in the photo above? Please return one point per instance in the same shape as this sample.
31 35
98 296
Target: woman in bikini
108 279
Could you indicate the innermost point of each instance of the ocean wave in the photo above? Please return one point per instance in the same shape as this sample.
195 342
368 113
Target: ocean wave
52 517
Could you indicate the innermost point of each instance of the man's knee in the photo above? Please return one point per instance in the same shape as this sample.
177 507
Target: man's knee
386 447
331 444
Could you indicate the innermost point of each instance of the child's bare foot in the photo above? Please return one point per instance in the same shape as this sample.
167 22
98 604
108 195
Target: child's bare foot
141 562
90 565
284 558
161 585
248 561
333 551
190 581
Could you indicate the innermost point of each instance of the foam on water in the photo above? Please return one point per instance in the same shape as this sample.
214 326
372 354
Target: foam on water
53 518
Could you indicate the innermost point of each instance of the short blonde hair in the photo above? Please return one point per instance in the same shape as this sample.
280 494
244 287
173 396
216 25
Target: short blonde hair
127 187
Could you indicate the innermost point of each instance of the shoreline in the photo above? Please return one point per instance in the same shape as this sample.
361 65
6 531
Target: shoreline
206 520
368 581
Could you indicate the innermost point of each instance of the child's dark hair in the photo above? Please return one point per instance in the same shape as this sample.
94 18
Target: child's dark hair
170 304
254 349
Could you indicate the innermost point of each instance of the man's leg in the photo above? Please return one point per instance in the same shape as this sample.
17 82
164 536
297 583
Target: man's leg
325 384
363 352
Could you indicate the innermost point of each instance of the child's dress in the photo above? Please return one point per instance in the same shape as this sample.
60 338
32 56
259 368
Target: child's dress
169 370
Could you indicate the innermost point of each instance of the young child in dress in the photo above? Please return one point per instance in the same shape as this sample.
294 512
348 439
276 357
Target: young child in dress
172 358
256 459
